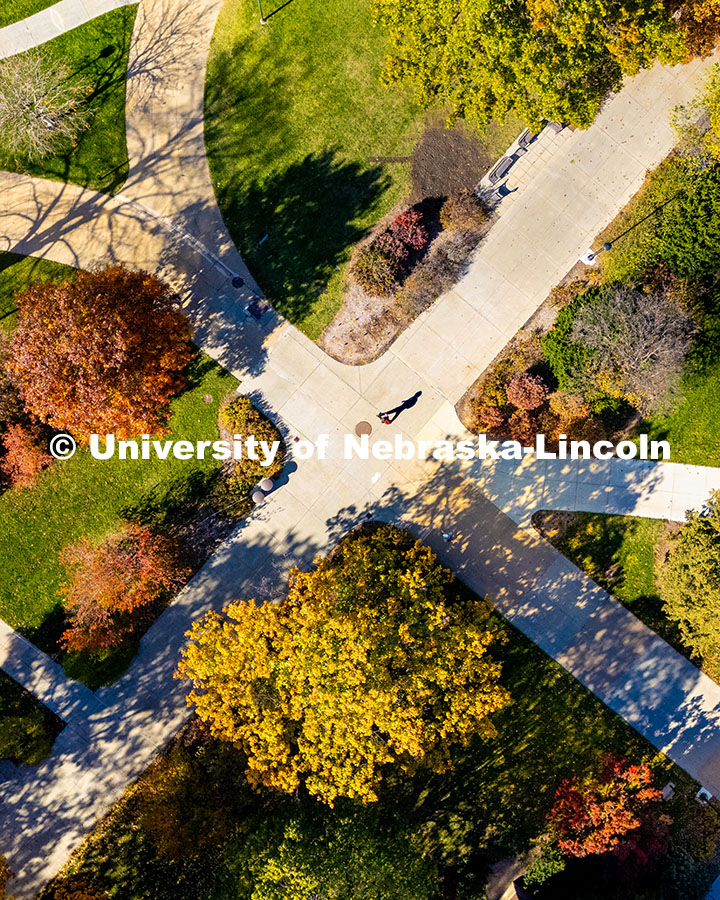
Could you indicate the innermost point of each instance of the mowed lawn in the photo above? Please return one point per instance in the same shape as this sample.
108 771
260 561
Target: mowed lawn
294 113
87 497
15 10
96 55
84 497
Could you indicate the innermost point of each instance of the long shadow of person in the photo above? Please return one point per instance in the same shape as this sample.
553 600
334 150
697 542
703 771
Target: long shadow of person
388 417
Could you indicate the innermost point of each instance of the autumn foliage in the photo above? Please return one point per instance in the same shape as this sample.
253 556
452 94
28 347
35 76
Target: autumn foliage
101 354
111 585
604 813
73 887
372 660
527 391
25 455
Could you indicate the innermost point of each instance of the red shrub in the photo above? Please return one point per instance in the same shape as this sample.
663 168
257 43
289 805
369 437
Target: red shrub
603 813
489 419
527 391
409 228
111 584
523 427
25 456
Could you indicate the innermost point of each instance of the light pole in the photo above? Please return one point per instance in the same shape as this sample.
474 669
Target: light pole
592 255
263 20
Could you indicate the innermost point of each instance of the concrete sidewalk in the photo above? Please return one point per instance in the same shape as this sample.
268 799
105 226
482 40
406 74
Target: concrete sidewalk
167 221
51 22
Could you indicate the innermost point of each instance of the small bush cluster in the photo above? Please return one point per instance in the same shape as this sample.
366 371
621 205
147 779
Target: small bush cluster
240 476
465 211
527 391
513 401
380 266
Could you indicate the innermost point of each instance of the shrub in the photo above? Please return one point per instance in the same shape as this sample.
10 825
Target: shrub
101 354
437 273
410 229
550 862
112 584
391 246
6 873
73 887
488 420
527 391
523 427
563 295
565 356
464 210
375 270
568 406
605 812
240 476
25 456
636 343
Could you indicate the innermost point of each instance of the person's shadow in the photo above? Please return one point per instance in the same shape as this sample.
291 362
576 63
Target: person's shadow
392 414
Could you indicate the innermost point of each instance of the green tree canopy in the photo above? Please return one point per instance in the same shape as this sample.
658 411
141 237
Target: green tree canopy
692 580
553 59
314 852
374 658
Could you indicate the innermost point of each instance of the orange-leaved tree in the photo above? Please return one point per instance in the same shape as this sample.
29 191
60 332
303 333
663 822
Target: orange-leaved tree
112 584
374 658
101 354
604 813
25 455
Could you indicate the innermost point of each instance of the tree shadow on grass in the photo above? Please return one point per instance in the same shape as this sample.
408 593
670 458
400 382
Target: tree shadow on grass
298 226
293 225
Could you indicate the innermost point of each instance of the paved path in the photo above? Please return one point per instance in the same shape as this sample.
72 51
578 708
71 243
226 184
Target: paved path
168 198
51 22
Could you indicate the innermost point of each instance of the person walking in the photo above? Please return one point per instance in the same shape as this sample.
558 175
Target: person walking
387 418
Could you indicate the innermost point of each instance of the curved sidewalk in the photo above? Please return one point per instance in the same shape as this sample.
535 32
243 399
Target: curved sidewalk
166 220
51 22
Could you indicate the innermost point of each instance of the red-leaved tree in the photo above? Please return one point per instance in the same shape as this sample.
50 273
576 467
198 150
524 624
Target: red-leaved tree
606 812
112 584
101 354
25 456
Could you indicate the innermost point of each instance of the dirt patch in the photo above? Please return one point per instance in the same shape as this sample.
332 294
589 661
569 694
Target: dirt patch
447 160
366 325
552 524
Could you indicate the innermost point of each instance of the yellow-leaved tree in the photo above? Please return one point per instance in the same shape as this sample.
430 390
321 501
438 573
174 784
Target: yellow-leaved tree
375 658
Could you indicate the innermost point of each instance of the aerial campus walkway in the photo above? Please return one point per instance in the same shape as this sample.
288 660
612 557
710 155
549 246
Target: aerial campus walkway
166 220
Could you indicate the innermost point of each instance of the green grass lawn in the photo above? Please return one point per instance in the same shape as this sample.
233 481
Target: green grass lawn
83 497
21 9
619 553
27 728
691 428
97 53
17 273
294 113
